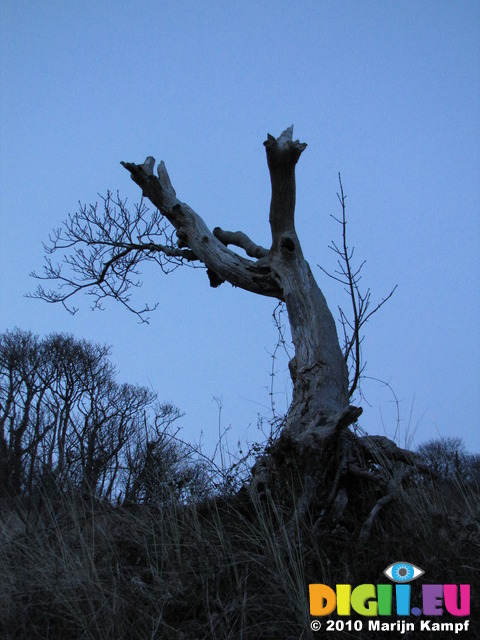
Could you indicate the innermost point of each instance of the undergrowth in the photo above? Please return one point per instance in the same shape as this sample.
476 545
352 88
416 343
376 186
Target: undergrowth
221 568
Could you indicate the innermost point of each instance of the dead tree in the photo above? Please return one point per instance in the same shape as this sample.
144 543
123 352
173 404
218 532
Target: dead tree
103 249
318 369
108 247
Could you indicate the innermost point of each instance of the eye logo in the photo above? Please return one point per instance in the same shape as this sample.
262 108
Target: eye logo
403 572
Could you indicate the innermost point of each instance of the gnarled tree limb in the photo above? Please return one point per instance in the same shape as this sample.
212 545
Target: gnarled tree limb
222 263
240 239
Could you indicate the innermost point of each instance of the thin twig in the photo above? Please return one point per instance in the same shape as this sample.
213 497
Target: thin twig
350 277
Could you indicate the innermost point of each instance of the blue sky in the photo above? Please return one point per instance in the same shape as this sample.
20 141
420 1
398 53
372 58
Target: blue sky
387 93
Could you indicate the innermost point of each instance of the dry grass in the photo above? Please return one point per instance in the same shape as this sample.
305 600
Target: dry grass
223 569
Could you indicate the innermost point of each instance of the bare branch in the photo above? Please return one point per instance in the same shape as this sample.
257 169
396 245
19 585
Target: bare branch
240 239
105 246
350 278
223 265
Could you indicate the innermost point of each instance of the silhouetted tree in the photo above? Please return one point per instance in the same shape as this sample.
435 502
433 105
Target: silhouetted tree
64 418
449 460
104 248
107 246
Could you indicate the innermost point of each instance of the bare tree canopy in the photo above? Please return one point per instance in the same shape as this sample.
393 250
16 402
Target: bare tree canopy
104 249
66 423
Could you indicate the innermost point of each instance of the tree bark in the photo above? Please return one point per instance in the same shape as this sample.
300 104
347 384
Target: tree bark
318 369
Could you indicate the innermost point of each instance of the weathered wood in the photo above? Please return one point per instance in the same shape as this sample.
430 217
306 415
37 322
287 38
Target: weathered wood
192 232
240 239
319 373
318 369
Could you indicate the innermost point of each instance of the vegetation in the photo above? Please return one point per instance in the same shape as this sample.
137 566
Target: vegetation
111 527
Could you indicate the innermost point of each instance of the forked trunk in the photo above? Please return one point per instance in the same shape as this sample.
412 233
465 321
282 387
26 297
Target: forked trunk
318 370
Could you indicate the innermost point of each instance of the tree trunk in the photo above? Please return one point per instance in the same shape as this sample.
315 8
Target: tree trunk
318 370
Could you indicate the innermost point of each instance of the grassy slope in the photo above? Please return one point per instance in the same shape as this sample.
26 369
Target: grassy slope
224 569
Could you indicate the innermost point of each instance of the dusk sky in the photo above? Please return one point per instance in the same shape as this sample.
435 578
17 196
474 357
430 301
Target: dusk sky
386 93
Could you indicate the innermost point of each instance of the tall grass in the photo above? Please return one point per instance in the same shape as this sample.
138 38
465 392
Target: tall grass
236 568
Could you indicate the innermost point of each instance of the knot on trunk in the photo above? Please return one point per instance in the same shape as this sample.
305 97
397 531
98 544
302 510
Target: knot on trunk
287 244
